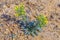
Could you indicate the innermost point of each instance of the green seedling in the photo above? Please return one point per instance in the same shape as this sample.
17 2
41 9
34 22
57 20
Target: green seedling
42 20
19 10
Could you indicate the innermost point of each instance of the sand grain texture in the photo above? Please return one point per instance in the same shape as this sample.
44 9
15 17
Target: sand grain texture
50 8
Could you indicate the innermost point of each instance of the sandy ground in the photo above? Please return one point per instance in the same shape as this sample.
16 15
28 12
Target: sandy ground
50 8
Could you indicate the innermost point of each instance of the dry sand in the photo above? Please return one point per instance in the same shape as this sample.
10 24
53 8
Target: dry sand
50 8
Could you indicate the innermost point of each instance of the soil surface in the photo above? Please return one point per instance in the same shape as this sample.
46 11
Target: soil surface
50 8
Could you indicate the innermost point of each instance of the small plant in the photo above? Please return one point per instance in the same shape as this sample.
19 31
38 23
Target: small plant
19 10
33 27
30 27
42 20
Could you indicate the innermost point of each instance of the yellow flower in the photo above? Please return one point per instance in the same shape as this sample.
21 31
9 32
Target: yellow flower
46 20
16 15
19 10
16 7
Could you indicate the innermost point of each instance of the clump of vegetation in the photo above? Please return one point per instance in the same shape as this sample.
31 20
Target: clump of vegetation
33 27
29 27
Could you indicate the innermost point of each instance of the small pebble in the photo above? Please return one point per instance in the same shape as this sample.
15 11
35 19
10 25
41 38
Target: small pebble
58 5
1 25
7 17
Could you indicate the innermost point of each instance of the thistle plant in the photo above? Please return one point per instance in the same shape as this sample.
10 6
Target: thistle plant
30 27
33 27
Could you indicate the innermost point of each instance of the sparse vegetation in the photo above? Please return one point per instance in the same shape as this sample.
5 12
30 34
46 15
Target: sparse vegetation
30 27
